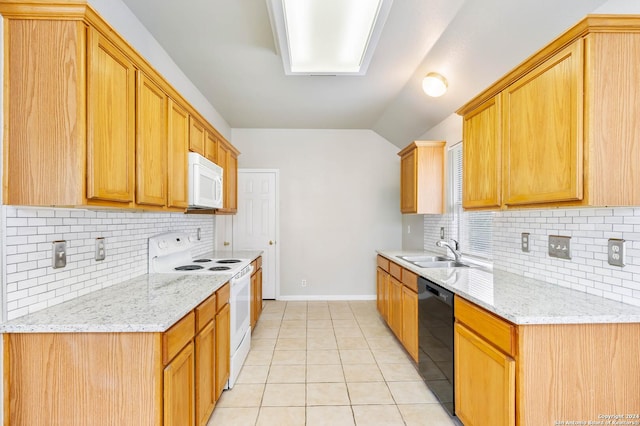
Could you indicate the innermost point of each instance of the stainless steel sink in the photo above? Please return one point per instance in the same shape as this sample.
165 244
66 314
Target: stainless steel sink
441 264
422 258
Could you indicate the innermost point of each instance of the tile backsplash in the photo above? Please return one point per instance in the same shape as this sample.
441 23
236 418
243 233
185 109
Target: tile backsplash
31 282
587 271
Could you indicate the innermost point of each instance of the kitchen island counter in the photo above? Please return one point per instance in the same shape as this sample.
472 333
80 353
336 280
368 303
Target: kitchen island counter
521 300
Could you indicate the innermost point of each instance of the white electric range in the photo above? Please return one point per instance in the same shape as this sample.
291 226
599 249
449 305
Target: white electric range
170 253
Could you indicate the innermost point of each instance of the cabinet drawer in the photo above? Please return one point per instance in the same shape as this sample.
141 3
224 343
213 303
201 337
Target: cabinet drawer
205 312
495 330
383 263
222 296
395 270
410 279
174 339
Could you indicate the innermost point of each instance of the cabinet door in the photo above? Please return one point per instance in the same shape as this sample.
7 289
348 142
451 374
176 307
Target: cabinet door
254 297
543 115
179 406
110 122
410 321
395 316
408 183
484 381
223 348
481 157
259 295
205 373
177 161
231 177
382 281
196 136
210 147
151 143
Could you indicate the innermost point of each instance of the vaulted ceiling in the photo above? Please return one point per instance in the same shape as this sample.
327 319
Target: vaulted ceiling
226 48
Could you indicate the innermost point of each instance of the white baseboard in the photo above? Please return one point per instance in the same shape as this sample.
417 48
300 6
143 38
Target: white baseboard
309 298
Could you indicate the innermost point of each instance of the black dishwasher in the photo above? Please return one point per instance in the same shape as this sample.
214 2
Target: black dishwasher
435 331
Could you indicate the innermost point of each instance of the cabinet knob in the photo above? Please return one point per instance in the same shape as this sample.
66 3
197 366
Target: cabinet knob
226 243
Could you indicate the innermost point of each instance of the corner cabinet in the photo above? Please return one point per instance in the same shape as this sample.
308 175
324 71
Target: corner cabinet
560 126
422 178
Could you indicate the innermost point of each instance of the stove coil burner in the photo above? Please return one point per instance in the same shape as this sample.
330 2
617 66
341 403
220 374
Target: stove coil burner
229 261
219 268
202 260
188 268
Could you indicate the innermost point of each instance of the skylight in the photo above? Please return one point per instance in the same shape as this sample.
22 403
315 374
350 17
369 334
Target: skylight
327 36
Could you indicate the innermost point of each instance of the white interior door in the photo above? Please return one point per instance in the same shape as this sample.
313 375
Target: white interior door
255 226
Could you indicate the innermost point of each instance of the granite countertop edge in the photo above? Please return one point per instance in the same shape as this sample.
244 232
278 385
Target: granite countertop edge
147 303
518 299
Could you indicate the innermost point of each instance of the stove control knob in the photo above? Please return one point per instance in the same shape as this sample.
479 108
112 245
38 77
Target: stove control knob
191 239
163 244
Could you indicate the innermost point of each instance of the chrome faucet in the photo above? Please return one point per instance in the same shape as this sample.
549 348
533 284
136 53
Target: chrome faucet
455 249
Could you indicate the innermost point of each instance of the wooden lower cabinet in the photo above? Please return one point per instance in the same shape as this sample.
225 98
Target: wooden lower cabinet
256 292
154 379
410 321
223 349
541 374
485 381
179 386
382 282
397 302
205 348
395 314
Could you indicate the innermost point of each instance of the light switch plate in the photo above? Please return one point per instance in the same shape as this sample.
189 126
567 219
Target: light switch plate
524 242
442 232
615 252
560 246
59 254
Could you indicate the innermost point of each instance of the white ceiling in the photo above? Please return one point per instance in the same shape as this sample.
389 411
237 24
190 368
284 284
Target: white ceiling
226 48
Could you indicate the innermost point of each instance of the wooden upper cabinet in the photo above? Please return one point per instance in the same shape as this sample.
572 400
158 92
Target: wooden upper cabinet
227 158
210 146
196 136
422 178
567 123
44 127
110 122
151 143
543 131
481 156
178 147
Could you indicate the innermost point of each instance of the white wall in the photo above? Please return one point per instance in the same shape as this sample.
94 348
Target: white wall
339 202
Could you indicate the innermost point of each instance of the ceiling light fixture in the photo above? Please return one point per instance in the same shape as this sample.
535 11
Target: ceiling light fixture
332 37
434 84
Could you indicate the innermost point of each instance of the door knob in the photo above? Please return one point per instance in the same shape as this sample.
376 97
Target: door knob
271 243
226 243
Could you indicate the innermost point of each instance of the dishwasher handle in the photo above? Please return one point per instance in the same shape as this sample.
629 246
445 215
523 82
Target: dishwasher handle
445 295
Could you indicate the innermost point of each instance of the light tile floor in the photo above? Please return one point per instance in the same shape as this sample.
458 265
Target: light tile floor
327 363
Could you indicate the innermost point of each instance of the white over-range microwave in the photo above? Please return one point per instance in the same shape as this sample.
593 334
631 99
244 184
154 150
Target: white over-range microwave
205 183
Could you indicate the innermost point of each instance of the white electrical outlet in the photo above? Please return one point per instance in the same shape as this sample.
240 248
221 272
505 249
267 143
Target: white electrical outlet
560 246
303 283
524 243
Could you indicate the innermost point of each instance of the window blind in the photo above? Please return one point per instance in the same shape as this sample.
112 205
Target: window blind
474 229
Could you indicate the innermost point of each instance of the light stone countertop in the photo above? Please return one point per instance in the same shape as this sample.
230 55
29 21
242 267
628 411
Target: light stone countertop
519 299
148 303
